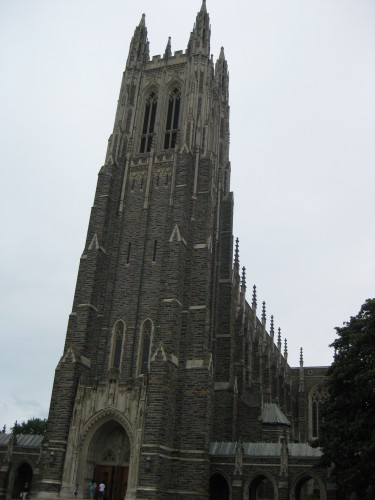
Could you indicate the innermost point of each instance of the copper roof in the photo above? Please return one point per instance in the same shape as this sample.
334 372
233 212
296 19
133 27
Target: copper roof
25 440
264 449
273 415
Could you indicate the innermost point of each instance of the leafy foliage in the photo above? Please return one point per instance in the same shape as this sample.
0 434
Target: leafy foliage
348 432
32 426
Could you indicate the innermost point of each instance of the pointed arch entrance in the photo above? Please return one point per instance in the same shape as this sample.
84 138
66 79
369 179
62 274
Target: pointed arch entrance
219 488
23 475
108 458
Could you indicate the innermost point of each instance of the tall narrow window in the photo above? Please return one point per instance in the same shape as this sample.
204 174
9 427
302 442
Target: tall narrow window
117 343
149 123
170 137
145 346
154 254
318 396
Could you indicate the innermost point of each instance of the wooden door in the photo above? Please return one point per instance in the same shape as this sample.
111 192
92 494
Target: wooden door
120 483
115 479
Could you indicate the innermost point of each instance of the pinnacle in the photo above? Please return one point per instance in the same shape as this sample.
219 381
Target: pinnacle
168 49
263 312
254 301
244 276
237 254
279 338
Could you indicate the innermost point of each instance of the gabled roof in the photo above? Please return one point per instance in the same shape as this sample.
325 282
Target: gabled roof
273 415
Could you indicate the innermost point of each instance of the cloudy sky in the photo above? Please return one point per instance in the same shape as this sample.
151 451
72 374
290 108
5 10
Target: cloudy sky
302 95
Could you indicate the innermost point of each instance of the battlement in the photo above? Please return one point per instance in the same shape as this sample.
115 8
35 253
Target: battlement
159 61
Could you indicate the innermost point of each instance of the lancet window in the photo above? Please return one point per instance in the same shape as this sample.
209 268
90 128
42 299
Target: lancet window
171 128
318 396
117 344
149 123
145 347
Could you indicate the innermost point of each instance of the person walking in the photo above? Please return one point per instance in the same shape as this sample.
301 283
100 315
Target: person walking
25 491
92 489
101 490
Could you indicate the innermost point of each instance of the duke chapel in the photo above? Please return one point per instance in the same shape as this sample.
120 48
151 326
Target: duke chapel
172 383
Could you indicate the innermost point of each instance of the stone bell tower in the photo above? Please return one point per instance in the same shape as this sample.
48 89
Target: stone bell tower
133 395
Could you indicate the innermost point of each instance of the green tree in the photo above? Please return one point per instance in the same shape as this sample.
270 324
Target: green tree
32 426
348 432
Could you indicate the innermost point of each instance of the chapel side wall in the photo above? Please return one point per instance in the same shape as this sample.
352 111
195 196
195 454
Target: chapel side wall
312 376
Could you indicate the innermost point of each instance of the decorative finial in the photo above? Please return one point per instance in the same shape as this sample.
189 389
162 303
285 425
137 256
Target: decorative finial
143 20
279 338
203 8
285 349
272 330
243 283
301 387
222 56
254 301
264 312
237 254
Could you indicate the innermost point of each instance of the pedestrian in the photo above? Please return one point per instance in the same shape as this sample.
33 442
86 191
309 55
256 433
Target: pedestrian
101 490
95 490
92 489
25 491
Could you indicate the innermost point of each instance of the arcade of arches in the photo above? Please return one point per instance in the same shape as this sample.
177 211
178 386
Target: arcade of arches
261 487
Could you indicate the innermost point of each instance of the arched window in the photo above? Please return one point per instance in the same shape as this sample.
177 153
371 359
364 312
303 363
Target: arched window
145 346
171 128
317 396
149 122
117 343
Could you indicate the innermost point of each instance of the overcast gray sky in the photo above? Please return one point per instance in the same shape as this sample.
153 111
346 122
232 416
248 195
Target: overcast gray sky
302 95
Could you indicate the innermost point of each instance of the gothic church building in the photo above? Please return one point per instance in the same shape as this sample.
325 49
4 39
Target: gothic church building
171 384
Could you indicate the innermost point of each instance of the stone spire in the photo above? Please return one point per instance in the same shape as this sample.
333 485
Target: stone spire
139 46
168 49
199 42
279 339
